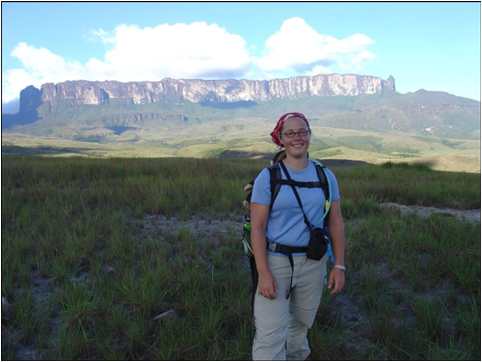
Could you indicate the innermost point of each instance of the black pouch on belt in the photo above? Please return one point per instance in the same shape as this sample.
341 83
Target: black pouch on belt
319 239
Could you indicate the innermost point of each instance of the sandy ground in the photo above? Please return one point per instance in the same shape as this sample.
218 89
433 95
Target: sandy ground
472 215
204 226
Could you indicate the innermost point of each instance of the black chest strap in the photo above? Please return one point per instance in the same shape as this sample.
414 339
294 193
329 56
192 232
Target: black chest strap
276 181
304 184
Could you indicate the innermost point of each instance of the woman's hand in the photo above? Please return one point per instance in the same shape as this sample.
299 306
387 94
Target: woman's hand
267 285
336 280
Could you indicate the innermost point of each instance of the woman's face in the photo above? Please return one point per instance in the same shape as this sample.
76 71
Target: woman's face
295 137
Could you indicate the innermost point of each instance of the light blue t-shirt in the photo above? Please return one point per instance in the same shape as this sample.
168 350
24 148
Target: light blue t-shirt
286 224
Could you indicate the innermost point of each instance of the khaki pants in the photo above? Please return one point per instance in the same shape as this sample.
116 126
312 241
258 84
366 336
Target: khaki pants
282 324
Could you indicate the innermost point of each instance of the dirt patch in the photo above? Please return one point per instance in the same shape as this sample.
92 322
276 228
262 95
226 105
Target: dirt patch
42 288
27 353
204 226
472 215
201 226
346 310
353 316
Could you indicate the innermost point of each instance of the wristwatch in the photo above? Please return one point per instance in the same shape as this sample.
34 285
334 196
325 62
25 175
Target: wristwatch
341 267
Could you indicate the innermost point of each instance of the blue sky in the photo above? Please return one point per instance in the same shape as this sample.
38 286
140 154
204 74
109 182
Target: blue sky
434 46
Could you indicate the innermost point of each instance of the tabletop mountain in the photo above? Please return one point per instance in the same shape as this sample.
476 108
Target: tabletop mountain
336 100
213 91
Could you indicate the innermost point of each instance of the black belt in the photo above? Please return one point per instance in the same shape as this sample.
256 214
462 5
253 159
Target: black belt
288 251
285 249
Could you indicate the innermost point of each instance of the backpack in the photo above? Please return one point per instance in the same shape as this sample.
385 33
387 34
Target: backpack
276 181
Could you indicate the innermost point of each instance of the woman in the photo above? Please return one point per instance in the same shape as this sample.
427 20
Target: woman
289 288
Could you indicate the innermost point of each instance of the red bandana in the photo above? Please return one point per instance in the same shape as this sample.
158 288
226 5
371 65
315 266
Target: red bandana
275 135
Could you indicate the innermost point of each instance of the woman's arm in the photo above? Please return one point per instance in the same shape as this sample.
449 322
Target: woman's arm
259 219
336 226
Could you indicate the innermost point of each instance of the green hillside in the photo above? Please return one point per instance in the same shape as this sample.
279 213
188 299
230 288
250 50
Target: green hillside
424 113
431 127
250 138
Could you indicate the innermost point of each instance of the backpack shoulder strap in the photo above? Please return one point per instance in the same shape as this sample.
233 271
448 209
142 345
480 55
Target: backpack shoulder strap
325 184
274 177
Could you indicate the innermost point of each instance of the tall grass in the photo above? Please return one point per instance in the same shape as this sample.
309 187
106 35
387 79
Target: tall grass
77 226
411 185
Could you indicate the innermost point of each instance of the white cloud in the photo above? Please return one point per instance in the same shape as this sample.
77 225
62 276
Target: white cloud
180 51
102 35
299 48
195 50
39 65
14 81
319 69
362 57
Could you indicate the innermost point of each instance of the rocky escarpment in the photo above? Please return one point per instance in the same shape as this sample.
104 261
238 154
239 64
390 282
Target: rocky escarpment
30 100
219 91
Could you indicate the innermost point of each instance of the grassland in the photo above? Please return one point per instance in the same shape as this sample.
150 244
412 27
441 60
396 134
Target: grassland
87 271
248 136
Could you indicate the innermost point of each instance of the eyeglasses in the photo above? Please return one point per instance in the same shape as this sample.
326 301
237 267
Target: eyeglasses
300 133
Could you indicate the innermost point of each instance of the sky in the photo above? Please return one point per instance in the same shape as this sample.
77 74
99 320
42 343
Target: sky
433 46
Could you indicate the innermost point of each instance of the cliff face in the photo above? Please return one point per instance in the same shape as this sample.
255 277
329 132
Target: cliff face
30 99
198 91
